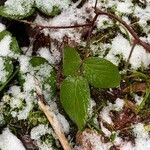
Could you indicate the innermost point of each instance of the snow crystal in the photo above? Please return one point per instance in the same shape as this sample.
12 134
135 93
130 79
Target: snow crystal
24 63
142 14
29 83
125 7
3 72
9 141
52 57
2 27
142 140
64 123
105 114
47 5
39 130
23 114
14 90
119 103
5 45
18 7
105 130
138 99
45 53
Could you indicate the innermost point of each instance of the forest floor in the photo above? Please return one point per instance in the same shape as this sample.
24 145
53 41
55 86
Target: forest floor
118 118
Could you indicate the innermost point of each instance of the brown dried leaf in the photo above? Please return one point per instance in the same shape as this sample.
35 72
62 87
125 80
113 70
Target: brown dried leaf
136 87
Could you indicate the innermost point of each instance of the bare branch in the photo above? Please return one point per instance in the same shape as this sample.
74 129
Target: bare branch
132 32
55 27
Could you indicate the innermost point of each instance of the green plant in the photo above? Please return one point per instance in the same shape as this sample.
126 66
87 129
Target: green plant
75 91
19 9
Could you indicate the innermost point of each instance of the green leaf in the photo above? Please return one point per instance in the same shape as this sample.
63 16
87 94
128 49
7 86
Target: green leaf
75 98
101 73
71 61
6 70
37 61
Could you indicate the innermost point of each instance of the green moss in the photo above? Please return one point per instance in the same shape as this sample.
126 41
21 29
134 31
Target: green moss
36 117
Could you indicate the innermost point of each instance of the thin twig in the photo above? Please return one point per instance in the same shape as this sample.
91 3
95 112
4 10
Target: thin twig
132 32
131 52
54 27
51 117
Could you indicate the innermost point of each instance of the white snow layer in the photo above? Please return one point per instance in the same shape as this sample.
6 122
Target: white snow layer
9 141
2 27
121 46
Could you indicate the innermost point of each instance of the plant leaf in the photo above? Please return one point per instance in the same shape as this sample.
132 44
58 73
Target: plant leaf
75 98
101 73
37 61
7 70
71 61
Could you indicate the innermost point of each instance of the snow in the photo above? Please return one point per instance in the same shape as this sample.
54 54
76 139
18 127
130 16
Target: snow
9 141
138 99
2 27
139 56
93 140
24 63
142 14
104 114
125 7
105 130
5 45
39 130
64 123
47 5
75 16
18 7
3 72
45 53
142 140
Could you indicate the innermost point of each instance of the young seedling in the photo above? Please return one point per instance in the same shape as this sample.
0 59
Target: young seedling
75 91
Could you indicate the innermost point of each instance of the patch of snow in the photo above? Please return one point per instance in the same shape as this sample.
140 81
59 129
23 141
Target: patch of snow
142 140
119 103
142 14
139 56
2 27
39 130
93 141
47 5
75 16
24 63
45 53
138 99
105 113
105 130
18 7
3 72
5 50
125 7
64 123
9 141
